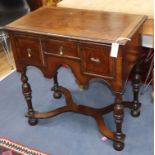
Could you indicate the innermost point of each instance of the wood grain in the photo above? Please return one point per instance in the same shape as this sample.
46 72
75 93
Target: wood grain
79 24
80 40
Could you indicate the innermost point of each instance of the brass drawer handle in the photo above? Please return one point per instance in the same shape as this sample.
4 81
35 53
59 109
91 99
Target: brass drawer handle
61 50
29 52
96 60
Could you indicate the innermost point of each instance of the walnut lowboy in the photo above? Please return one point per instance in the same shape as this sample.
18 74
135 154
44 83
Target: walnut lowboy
80 39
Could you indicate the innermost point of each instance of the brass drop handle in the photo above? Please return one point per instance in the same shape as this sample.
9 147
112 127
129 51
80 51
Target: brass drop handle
29 52
96 60
61 50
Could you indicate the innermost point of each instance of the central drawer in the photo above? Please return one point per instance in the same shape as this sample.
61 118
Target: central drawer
67 48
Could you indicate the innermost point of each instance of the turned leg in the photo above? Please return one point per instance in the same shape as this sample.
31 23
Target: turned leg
57 94
135 112
26 89
118 115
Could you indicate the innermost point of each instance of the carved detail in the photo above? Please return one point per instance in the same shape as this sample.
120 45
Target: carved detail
26 89
135 112
118 115
46 45
56 94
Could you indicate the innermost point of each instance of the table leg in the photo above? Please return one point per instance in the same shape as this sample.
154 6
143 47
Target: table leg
135 112
118 115
26 89
57 94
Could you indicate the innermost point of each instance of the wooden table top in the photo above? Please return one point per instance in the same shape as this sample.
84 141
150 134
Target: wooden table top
97 26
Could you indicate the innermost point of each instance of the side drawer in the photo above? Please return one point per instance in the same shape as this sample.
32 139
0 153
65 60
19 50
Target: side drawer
96 60
63 48
29 50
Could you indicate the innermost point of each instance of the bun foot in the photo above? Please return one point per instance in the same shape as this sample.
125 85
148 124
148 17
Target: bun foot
135 113
118 146
57 95
32 121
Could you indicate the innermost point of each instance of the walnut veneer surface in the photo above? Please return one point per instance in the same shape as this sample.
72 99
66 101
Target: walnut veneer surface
80 23
141 7
51 37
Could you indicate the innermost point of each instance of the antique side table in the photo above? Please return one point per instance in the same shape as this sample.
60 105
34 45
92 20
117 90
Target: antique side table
51 37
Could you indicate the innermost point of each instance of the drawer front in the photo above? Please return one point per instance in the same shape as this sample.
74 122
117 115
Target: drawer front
60 48
96 60
29 50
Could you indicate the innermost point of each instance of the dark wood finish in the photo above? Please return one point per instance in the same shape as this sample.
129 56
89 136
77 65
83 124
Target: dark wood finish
26 88
31 50
136 84
80 24
61 48
118 115
96 60
56 93
81 40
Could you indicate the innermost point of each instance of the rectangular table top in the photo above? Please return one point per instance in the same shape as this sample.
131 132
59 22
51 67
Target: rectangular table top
96 26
